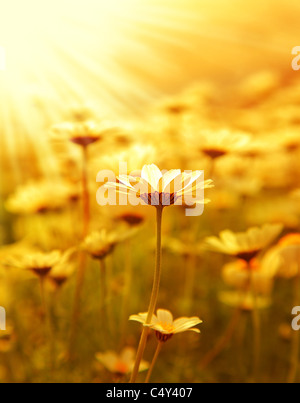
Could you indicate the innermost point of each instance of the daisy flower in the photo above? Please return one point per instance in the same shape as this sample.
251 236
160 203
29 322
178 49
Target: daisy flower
223 142
165 326
40 263
156 188
101 243
244 245
35 197
263 271
62 271
244 300
82 133
122 363
7 340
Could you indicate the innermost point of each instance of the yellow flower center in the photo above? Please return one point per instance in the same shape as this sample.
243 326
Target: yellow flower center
166 327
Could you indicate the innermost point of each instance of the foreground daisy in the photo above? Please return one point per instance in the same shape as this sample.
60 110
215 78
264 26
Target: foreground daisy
156 188
165 327
164 324
244 245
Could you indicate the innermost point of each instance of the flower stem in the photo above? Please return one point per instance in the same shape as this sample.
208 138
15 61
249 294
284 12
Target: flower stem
85 193
49 336
103 285
158 350
82 259
223 341
127 289
104 314
190 268
154 296
43 297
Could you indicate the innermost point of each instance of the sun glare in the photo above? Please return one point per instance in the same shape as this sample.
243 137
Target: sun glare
61 54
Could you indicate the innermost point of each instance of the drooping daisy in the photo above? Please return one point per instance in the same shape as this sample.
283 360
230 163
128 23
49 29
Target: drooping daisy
244 245
165 326
156 188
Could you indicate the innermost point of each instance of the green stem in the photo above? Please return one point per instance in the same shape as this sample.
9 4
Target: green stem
158 350
154 296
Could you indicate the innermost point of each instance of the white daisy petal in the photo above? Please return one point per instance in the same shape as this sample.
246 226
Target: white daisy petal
152 174
126 180
122 189
141 317
169 177
164 316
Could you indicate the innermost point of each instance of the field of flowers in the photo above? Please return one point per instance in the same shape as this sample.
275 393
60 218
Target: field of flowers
156 248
